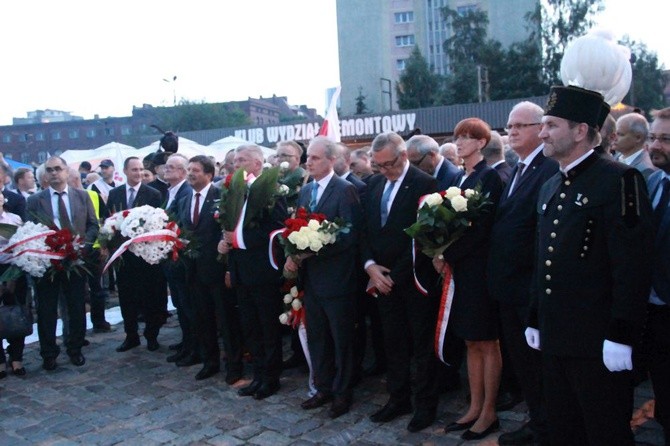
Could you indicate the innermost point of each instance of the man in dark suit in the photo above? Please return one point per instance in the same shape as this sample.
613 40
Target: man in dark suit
330 280
630 143
657 335
494 154
205 274
360 164
137 280
62 206
408 317
512 259
256 283
175 272
592 276
424 152
14 203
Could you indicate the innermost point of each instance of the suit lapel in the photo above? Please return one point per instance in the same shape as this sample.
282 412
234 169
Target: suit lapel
400 195
326 193
45 201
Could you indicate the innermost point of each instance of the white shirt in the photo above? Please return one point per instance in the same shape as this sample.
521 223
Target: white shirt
172 192
323 182
576 162
631 159
54 204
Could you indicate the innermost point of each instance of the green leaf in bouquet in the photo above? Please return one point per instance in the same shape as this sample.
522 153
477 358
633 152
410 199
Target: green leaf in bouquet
261 194
7 231
234 201
11 273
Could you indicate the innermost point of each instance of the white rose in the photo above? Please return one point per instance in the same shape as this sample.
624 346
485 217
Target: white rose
459 203
452 192
296 304
294 291
283 318
288 299
284 165
299 239
469 193
267 165
434 200
315 244
314 225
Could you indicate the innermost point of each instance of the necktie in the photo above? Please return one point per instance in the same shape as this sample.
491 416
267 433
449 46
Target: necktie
131 198
62 212
196 210
385 202
315 193
517 177
662 205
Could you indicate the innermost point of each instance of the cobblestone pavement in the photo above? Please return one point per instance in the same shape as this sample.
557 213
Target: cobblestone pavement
137 398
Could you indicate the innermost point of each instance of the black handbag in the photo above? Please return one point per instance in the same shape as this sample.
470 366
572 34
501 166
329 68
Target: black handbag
16 321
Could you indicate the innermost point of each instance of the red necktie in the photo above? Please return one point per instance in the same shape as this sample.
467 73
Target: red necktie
196 210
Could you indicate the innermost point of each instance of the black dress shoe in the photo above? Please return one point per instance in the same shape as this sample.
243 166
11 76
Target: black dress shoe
128 343
293 362
20 371
422 419
317 400
49 363
233 377
470 435
176 347
391 411
86 343
375 369
250 389
152 344
523 436
507 401
177 356
77 359
3 374
103 327
207 371
454 427
339 407
267 389
188 360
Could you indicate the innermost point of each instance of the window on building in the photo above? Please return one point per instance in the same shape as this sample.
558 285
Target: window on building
54 135
23 137
109 132
42 156
404 17
400 64
39 136
404 40
125 130
90 133
25 158
73 134
6 138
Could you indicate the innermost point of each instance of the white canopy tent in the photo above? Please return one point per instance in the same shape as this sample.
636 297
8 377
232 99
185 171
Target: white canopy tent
219 148
114 151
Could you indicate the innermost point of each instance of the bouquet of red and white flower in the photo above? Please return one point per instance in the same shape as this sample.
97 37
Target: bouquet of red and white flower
36 250
444 216
308 233
294 313
145 231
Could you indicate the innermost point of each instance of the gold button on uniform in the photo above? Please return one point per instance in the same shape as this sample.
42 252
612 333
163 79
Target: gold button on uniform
556 221
548 291
562 195
548 263
548 277
550 249
552 235
559 207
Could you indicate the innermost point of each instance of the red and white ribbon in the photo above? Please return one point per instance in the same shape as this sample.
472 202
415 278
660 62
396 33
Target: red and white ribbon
44 234
274 262
422 289
446 300
162 235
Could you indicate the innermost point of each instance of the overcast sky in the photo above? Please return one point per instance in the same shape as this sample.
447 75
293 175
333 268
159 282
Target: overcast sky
92 57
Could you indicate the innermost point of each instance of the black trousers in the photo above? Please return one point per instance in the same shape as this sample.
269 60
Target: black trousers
366 308
176 279
15 346
330 335
657 344
139 291
586 403
408 322
97 293
526 362
260 307
47 312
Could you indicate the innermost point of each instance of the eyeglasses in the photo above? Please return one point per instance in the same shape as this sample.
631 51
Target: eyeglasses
285 155
420 160
54 169
387 165
662 138
511 127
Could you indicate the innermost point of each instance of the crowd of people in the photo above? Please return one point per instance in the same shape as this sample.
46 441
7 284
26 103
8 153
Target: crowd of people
561 289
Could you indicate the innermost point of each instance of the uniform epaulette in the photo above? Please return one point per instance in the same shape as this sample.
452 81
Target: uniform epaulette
631 184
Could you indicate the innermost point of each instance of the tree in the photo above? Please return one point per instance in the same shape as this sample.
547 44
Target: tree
417 85
188 116
646 90
361 108
558 22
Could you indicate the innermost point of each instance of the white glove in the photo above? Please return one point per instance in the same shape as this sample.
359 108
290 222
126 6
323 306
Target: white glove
533 337
617 357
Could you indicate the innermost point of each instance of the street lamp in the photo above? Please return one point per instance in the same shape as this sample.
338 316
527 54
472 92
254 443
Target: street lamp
174 91
386 90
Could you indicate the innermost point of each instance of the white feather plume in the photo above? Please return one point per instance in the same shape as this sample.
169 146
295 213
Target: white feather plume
596 62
